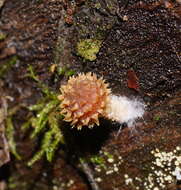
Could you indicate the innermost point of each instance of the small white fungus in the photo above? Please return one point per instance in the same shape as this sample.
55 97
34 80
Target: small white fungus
110 160
125 110
177 173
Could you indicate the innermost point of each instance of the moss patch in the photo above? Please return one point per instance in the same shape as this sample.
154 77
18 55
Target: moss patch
45 121
6 66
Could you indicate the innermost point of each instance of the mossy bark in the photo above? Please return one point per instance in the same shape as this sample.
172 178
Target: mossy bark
144 37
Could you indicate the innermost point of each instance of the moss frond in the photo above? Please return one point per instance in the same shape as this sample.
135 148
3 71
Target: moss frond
57 135
45 144
51 139
8 65
42 118
48 93
45 121
10 131
10 135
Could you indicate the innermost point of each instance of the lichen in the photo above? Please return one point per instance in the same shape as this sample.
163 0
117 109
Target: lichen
2 36
88 48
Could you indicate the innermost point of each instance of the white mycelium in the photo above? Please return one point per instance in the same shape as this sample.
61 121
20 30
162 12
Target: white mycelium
123 109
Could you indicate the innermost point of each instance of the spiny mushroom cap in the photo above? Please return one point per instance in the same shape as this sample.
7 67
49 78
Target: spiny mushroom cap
84 99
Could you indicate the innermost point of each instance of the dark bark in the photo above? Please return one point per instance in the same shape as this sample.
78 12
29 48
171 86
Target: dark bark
143 36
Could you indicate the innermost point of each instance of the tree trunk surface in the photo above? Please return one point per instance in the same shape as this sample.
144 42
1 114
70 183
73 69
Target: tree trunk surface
143 37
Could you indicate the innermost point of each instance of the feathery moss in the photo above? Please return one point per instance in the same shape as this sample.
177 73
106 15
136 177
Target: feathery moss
45 121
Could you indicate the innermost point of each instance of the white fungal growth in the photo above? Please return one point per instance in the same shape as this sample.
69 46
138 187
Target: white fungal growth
124 110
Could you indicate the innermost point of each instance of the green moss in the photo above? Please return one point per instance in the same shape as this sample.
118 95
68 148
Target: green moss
10 132
70 73
12 183
65 71
61 70
6 66
88 48
45 122
108 155
98 160
157 117
48 94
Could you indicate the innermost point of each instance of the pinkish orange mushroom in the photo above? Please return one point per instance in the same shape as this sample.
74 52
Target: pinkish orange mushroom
84 99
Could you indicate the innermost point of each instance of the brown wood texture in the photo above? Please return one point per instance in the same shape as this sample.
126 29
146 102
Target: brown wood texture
143 36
